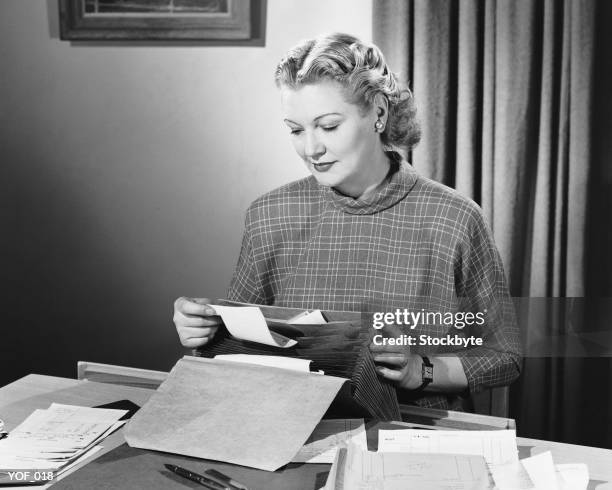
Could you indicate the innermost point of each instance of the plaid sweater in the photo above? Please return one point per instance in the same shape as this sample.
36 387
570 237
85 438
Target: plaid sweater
412 243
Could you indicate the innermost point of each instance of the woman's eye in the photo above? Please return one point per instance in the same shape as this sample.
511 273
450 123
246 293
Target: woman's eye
329 128
296 131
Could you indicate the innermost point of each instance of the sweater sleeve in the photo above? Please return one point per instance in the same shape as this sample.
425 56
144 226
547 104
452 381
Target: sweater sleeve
481 287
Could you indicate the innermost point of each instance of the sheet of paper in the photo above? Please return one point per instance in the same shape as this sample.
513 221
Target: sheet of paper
497 446
335 476
357 468
540 473
302 365
322 445
572 476
228 411
511 476
249 323
82 457
541 470
64 426
55 438
314 317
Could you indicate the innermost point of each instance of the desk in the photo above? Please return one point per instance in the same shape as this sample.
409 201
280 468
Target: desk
19 399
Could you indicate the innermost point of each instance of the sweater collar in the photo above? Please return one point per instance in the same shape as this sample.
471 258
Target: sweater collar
393 189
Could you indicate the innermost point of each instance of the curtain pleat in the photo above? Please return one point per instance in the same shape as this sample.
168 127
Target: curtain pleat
468 144
505 91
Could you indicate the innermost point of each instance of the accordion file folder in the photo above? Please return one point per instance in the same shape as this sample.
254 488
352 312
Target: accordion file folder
338 348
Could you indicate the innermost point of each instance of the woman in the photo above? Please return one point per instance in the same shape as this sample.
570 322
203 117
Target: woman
365 230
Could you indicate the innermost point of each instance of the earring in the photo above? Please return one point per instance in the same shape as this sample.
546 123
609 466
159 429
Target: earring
379 126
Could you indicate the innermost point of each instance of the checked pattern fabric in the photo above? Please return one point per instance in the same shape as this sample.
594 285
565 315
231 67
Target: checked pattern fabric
308 246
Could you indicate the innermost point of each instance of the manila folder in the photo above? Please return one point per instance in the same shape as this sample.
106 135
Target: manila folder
255 416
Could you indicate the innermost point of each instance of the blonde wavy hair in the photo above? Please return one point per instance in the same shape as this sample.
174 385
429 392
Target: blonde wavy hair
362 70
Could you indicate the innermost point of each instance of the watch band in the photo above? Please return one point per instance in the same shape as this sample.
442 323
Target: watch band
426 375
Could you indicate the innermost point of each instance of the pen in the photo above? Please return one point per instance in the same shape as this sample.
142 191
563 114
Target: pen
202 480
226 479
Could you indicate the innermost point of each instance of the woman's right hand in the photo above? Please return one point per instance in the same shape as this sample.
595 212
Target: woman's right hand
196 322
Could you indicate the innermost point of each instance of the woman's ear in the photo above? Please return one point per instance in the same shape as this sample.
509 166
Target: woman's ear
381 108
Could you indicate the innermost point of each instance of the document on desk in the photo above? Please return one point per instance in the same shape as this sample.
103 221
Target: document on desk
574 476
496 446
249 323
355 468
238 413
54 438
328 436
545 475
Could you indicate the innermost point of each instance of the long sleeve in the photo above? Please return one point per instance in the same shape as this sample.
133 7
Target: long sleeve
481 286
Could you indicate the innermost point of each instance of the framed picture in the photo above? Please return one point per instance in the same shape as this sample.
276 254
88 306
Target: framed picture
145 20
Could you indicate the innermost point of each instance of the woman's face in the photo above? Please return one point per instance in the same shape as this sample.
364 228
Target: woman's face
333 137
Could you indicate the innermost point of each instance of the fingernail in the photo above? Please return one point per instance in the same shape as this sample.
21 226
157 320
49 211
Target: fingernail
210 311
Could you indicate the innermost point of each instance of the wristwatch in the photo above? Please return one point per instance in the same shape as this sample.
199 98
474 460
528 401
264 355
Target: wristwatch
426 374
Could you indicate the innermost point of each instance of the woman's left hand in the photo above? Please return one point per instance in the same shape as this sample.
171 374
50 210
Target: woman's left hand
404 369
397 363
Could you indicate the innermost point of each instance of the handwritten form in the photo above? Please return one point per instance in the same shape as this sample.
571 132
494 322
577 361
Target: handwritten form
355 468
328 436
497 446
499 450
54 438
228 411
249 323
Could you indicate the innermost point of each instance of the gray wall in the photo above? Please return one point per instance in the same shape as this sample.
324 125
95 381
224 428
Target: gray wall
124 175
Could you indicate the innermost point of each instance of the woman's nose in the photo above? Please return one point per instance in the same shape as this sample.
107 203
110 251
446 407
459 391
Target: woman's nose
313 147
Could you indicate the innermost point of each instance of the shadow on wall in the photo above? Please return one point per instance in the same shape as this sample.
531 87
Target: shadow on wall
80 288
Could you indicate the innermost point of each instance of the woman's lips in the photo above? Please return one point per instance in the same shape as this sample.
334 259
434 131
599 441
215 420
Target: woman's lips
322 166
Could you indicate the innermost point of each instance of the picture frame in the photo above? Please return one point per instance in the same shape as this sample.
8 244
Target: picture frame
161 20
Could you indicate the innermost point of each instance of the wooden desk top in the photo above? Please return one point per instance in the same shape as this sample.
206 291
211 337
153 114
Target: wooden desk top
20 398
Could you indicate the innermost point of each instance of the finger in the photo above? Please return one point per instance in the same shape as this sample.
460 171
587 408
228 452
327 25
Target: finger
390 374
197 333
189 307
201 301
198 321
391 358
194 343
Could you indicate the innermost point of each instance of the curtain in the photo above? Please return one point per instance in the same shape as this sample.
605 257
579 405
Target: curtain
512 98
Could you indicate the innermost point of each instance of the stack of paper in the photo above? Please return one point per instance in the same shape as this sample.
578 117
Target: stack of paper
51 440
498 447
357 468
500 452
